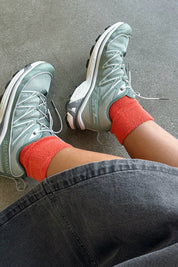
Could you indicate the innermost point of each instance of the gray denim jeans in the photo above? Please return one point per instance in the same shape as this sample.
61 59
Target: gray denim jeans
119 212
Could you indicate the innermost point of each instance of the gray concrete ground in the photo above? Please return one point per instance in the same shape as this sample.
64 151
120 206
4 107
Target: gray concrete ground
62 33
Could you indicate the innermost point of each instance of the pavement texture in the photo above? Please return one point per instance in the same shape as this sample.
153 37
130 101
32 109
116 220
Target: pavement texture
62 33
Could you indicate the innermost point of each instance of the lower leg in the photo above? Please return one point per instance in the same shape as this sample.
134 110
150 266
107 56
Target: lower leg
151 142
133 127
71 157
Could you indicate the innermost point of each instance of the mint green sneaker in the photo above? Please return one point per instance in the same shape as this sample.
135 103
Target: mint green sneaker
106 81
24 116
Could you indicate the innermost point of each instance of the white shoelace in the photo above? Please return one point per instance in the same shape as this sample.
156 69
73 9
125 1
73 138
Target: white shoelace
114 68
118 65
45 114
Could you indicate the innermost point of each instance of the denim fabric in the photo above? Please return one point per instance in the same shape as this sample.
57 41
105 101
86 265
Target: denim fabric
119 212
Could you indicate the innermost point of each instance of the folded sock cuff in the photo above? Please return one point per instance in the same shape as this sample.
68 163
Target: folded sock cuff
36 157
126 115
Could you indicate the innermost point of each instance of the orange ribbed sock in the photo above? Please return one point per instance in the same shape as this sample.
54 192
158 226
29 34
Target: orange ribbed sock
126 114
36 157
